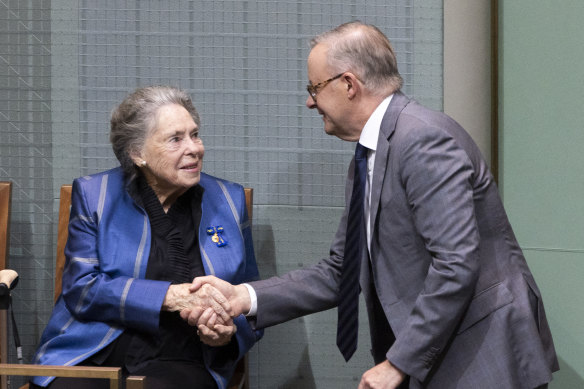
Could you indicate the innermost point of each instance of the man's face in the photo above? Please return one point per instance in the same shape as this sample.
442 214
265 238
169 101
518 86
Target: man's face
331 99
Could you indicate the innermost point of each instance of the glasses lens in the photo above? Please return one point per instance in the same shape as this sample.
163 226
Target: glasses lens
311 91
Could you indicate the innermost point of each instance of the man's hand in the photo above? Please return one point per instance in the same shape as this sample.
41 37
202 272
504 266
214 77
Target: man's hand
237 297
181 298
214 334
382 376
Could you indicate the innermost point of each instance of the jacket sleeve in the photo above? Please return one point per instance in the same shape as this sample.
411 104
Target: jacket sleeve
96 288
437 176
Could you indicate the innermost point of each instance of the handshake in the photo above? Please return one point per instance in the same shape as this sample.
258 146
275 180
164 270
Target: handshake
210 304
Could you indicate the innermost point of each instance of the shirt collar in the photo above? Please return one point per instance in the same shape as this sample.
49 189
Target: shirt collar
370 132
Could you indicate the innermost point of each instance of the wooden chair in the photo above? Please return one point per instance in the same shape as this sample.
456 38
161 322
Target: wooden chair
240 379
113 374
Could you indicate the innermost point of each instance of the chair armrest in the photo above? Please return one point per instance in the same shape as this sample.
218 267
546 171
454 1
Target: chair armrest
113 374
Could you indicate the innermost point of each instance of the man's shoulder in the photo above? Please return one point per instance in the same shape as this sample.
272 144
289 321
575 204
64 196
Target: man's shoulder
404 114
414 117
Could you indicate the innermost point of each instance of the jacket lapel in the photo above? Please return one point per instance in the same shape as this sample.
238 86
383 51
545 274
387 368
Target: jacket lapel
221 260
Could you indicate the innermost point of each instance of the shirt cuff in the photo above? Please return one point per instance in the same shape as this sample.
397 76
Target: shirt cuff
254 301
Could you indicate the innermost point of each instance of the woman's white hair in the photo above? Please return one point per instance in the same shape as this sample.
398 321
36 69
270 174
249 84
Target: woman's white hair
134 119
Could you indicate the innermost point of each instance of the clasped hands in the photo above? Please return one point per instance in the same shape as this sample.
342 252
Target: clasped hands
210 304
218 302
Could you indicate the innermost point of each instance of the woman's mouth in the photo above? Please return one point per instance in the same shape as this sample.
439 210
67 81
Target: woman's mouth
192 166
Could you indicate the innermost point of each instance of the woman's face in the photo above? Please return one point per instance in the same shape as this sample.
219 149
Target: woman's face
173 153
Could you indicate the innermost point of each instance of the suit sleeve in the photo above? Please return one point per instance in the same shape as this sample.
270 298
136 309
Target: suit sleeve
437 176
94 295
304 291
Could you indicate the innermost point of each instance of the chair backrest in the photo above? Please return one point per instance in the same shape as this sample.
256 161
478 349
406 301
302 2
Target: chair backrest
62 234
5 199
249 202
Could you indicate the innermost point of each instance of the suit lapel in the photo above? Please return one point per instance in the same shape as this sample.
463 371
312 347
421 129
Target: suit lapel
397 104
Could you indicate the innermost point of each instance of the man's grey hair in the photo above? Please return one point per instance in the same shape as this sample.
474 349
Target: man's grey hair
365 51
134 120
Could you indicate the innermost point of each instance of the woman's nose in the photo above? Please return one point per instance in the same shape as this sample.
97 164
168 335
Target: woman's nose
195 145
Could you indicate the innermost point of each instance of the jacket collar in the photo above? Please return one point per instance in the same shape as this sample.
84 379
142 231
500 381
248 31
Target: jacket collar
388 124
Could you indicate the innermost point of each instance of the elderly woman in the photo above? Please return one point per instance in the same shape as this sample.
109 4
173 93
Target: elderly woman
138 235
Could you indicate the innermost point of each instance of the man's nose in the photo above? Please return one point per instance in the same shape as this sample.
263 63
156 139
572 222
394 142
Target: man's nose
310 103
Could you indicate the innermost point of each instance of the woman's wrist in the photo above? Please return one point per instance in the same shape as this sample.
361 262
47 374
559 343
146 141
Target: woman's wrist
174 295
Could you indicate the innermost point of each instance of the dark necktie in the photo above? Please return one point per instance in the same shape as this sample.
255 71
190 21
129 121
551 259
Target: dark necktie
348 321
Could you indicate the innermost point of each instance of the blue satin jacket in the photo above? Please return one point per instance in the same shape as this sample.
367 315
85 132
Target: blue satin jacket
104 290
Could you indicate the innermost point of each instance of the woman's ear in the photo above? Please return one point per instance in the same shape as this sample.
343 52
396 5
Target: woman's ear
137 159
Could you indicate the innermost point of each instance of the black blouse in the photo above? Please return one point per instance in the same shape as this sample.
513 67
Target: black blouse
175 257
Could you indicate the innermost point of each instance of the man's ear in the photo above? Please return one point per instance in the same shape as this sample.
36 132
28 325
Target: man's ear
352 85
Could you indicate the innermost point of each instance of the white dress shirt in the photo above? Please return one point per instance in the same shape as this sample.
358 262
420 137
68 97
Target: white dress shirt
368 138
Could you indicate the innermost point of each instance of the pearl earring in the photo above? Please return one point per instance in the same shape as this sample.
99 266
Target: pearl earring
143 163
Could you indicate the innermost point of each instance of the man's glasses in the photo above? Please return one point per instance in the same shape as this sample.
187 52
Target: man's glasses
313 89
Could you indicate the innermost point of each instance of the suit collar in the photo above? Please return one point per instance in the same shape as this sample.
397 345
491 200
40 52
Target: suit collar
396 106
370 132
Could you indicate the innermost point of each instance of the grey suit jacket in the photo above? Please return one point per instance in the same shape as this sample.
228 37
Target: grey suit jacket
450 298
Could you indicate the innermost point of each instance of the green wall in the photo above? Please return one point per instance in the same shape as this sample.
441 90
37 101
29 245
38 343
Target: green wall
541 155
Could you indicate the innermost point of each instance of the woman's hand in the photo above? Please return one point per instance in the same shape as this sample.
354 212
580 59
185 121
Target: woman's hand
180 298
212 333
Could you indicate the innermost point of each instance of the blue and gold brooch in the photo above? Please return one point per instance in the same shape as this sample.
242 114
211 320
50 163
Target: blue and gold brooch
216 233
